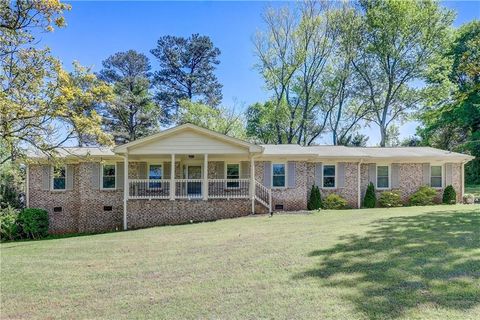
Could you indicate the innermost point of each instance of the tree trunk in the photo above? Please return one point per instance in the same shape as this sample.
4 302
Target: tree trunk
383 135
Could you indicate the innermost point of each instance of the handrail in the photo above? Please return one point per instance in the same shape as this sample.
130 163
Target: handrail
263 195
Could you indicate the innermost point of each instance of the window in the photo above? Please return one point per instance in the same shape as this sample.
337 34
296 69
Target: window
108 176
278 175
155 172
233 172
436 176
383 180
59 178
329 176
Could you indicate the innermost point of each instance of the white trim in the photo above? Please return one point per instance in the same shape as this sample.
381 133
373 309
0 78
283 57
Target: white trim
271 175
226 176
126 189
52 176
389 175
443 176
101 175
323 176
27 186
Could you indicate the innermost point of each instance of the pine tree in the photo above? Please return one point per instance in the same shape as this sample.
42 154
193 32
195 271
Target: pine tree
315 200
370 199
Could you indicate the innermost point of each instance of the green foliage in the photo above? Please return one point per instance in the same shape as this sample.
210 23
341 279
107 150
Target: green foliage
424 196
334 201
133 113
260 118
315 199
218 119
449 195
9 229
187 72
370 199
12 177
389 199
33 222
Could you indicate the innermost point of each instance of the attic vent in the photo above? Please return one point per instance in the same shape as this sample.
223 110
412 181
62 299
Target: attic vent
279 207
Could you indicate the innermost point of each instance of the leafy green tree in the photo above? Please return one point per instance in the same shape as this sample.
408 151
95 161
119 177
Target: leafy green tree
453 122
33 85
260 119
132 114
218 119
187 67
400 39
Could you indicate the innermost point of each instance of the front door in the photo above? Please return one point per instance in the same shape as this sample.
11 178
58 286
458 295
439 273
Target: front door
194 188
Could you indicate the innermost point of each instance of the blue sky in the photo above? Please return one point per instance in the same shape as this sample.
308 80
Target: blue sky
96 30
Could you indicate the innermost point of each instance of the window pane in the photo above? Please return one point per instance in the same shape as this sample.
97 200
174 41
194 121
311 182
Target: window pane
233 171
279 181
329 171
58 183
382 171
278 169
436 182
382 182
108 182
436 171
155 171
328 182
109 170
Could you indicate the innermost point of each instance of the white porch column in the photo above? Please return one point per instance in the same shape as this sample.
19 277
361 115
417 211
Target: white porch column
172 178
252 183
27 186
463 181
205 177
126 190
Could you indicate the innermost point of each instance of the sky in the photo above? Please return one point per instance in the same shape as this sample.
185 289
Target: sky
96 30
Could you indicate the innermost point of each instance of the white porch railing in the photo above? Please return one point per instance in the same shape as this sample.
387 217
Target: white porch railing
149 188
263 195
228 188
188 188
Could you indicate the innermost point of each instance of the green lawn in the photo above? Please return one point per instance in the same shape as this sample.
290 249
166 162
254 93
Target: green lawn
402 263
475 189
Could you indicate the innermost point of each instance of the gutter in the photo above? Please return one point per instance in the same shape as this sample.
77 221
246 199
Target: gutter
359 195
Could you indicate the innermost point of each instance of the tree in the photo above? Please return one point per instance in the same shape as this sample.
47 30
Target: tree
260 119
353 140
400 39
453 122
133 113
292 53
187 67
221 119
32 108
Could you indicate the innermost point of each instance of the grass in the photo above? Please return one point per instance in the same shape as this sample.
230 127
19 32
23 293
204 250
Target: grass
475 189
400 263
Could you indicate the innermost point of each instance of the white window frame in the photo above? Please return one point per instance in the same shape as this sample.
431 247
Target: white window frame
148 172
389 176
335 177
239 174
286 175
52 174
442 170
101 175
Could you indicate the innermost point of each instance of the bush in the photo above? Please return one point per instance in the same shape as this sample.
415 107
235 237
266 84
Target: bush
34 223
449 195
423 197
390 199
315 200
370 199
9 229
334 201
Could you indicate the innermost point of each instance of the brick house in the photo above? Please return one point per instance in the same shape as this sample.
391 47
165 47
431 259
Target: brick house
188 173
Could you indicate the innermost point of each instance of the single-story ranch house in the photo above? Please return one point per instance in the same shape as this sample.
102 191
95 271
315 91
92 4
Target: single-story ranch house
189 173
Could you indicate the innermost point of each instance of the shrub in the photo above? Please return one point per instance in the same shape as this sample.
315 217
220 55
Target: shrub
315 200
9 229
390 199
424 196
34 223
449 195
334 201
370 199
469 198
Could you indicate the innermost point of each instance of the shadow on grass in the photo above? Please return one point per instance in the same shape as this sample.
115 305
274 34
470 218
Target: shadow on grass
431 259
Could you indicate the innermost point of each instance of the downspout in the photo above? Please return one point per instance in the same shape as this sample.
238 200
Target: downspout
359 179
463 180
27 186
126 189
